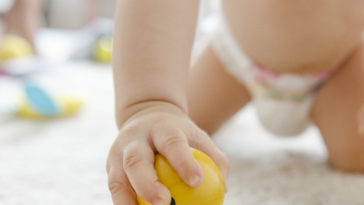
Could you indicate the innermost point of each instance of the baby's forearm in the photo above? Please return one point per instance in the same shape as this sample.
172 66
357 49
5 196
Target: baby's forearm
152 47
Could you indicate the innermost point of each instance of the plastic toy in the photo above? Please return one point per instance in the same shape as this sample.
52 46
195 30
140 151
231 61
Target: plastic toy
103 49
16 61
210 192
12 46
38 104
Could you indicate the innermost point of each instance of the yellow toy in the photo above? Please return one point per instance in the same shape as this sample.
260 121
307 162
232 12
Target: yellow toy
37 103
210 192
69 106
12 46
103 49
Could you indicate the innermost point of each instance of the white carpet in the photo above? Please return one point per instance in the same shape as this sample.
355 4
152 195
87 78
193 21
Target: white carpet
63 161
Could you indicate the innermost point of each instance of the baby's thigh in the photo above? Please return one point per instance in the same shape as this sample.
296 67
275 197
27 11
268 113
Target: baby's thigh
335 112
213 95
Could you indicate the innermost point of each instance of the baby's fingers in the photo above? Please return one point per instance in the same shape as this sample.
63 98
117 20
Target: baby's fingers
138 160
173 145
201 141
120 188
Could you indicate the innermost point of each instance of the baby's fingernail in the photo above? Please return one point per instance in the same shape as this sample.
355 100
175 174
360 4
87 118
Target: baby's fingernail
163 195
195 181
224 175
225 188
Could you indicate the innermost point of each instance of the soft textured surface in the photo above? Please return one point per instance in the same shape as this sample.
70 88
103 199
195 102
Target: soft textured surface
63 161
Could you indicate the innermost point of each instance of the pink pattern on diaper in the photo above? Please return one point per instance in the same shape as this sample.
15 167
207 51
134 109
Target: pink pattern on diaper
284 86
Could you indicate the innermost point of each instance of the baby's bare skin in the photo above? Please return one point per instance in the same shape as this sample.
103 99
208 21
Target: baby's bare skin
297 36
164 107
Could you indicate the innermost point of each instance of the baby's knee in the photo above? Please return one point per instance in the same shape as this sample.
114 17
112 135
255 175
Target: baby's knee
350 161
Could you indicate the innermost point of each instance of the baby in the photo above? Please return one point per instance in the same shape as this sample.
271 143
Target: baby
297 61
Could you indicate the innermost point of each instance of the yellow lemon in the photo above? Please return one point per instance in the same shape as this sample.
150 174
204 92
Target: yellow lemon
210 192
12 46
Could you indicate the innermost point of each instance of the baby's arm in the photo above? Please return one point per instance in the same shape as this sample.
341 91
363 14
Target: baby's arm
153 40
151 58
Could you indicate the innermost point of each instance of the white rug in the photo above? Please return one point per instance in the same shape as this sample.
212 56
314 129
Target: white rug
62 162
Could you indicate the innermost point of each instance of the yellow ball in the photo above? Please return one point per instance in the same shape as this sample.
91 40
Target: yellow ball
210 192
12 46
103 50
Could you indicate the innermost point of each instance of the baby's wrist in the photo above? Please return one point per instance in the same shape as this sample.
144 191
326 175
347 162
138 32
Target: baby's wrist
146 107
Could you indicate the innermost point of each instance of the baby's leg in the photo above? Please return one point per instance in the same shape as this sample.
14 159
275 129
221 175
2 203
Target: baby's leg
336 114
214 95
24 18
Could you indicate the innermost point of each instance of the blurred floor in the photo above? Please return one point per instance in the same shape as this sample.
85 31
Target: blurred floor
61 161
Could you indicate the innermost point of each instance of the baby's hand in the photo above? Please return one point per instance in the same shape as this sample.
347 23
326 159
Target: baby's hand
161 128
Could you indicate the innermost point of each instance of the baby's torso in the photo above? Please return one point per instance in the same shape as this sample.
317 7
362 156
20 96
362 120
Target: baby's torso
296 36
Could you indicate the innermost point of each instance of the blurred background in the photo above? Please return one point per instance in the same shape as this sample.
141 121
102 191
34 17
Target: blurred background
56 101
57 120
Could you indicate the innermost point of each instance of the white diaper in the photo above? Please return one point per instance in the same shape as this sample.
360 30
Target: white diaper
283 101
